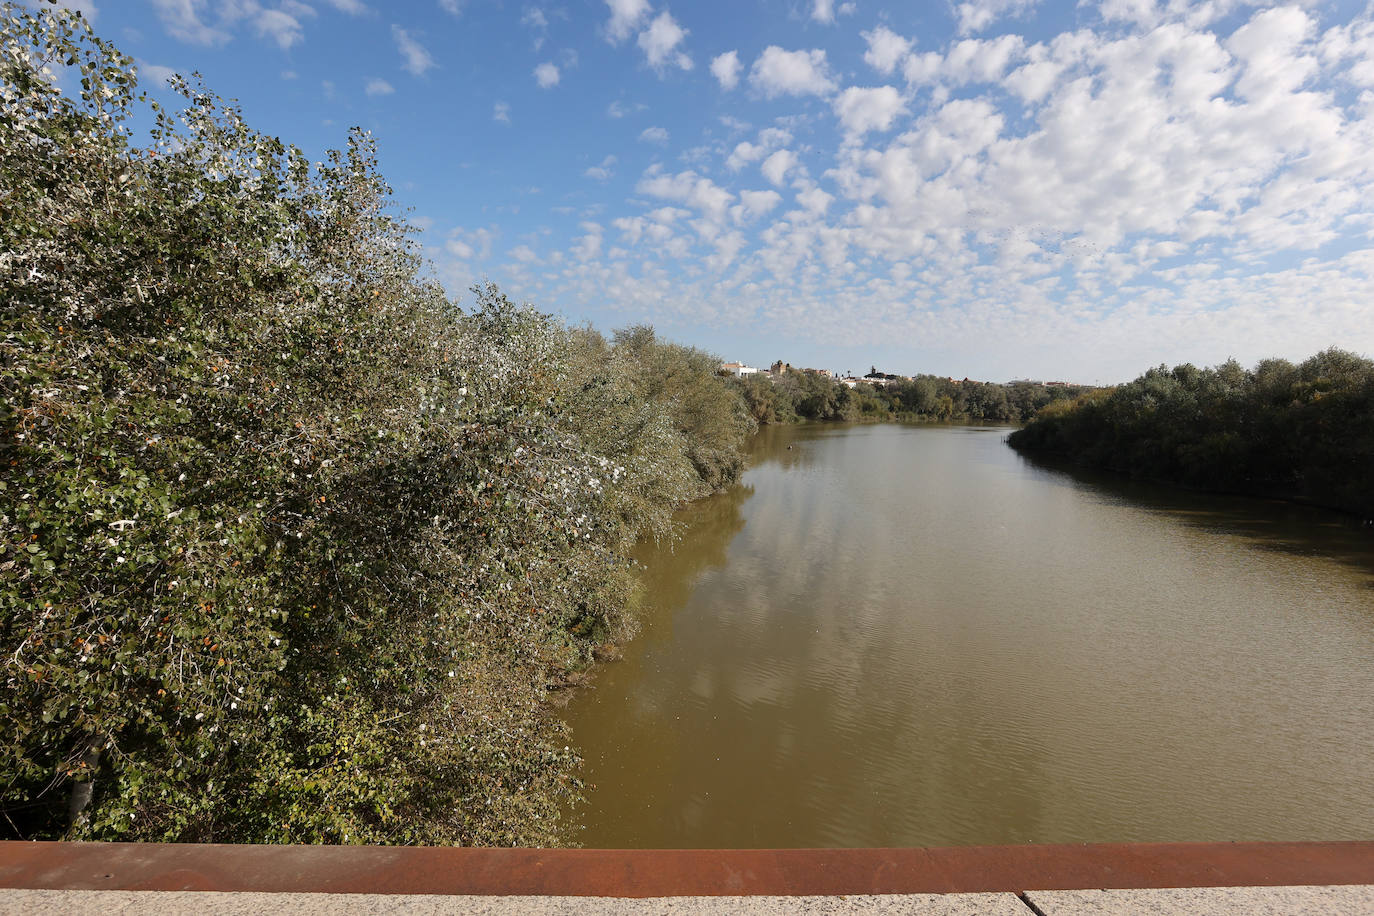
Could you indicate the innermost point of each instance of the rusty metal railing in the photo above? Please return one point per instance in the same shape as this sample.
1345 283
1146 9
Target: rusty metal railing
662 873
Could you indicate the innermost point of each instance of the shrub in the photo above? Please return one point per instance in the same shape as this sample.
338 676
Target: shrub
293 548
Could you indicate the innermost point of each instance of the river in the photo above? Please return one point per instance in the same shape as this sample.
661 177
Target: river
913 636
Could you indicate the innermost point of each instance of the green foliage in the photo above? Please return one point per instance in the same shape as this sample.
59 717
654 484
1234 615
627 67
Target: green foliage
711 418
796 396
292 548
1304 432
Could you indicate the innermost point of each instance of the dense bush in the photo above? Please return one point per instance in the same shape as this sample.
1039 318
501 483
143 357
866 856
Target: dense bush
293 548
1304 431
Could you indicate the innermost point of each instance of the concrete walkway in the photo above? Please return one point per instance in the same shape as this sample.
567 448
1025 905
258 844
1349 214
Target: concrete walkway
1345 900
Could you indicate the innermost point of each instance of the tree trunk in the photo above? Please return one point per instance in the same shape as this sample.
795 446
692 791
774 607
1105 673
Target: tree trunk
81 791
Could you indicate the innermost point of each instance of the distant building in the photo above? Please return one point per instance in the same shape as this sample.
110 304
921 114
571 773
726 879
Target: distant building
738 370
883 379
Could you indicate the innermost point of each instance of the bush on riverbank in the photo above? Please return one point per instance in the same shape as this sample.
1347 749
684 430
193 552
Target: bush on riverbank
1303 432
293 548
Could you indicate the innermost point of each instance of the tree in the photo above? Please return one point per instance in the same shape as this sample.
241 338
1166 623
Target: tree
292 548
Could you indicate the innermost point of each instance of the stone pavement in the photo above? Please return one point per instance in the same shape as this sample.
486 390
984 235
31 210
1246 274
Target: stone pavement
1342 900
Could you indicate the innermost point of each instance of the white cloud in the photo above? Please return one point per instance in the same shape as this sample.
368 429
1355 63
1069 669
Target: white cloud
824 11
470 243
660 40
777 72
181 19
500 111
725 68
1353 42
1270 46
654 135
185 20
378 87
973 60
416 59
770 138
280 26
1033 80
776 166
919 69
666 215
588 246
753 204
546 75
814 200
603 171
154 75
862 110
774 136
619 109
885 49
452 7
976 15
626 15
744 152
537 21
351 7
688 188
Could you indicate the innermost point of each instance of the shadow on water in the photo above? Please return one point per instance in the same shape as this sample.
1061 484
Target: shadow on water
669 571
1268 524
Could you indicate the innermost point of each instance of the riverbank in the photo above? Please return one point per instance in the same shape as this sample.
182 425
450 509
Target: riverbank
1298 432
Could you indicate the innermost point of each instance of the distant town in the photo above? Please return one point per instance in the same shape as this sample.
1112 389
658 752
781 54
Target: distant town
874 377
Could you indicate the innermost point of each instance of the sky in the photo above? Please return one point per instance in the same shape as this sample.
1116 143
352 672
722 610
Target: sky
992 189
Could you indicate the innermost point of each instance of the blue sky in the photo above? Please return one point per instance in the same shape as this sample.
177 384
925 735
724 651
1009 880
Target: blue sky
984 188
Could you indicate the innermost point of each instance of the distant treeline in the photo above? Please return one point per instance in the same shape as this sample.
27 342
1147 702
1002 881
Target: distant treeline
798 395
1300 432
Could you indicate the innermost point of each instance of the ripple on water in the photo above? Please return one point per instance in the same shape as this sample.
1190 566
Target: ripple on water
911 636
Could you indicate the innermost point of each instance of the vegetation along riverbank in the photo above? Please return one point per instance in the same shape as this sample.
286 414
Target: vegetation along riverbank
1302 432
293 547
803 395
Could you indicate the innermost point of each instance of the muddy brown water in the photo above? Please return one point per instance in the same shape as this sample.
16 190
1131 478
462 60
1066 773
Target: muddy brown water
913 636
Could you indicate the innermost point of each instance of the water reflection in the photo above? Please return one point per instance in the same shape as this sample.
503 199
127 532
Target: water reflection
909 636
781 445
669 572
1306 531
